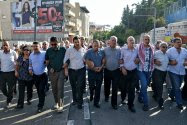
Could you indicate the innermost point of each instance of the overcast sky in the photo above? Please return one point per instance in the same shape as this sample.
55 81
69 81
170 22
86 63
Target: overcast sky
105 11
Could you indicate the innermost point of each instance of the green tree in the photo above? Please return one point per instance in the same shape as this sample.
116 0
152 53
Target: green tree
133 24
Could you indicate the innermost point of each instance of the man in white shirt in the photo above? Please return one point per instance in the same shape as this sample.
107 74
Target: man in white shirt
45 46
75 58
8 59
129 58
159 74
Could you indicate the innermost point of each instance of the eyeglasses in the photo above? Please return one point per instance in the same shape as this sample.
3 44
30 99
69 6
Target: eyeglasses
179 42
25 50
53 44
35 46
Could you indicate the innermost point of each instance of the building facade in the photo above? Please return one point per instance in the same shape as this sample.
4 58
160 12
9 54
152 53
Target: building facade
75 20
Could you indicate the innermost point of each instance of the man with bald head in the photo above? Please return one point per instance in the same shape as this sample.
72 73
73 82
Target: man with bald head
112 71
8 59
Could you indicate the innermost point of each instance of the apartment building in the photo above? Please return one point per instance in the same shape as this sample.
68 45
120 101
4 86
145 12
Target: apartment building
76 22
98 28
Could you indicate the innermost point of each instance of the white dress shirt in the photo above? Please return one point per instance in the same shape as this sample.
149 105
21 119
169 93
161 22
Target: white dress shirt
76 58
8 61
163 58
129 57
172 53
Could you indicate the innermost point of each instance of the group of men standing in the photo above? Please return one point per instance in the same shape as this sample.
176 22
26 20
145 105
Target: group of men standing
131 63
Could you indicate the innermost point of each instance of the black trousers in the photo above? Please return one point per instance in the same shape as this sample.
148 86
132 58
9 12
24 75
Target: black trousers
111 77
21 85
128 86
77 78
95 81
122 87
8 80
184 89
159 78
40 83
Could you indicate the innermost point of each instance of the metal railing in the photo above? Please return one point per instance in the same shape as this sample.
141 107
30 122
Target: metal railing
176 11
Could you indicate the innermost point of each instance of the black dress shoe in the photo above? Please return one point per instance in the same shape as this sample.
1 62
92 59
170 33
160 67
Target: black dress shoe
40 110
115 107
74 103
97 105
79 106
140 100
19 107
161 107
15 91
91 98
106 99
28 102
154 97
172 98
145 108
180 106
132 109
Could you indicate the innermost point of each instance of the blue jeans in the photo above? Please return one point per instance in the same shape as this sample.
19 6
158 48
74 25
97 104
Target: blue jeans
176 81
144 78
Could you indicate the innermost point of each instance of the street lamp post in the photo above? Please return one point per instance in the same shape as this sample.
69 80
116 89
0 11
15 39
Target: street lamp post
35 19
154 27
154 31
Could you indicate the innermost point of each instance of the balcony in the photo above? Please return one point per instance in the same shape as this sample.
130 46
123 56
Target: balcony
70 23
68 4
69 13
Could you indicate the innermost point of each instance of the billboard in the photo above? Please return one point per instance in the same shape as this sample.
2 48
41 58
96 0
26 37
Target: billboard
49 14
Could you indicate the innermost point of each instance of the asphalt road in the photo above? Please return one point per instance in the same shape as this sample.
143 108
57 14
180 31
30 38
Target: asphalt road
29 115
90 115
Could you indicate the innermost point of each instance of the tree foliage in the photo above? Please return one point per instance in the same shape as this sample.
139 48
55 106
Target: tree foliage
139 20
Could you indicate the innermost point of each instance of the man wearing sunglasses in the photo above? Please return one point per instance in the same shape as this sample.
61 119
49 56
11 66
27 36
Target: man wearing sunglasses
159 74
54 59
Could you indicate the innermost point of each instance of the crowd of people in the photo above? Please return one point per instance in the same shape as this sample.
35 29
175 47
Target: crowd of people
132 67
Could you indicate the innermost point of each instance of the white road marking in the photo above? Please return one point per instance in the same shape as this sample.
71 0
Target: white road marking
70 122
86 111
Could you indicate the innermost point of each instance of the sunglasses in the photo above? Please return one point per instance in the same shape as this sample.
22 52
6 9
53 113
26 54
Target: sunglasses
146 39
164 47
25 50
